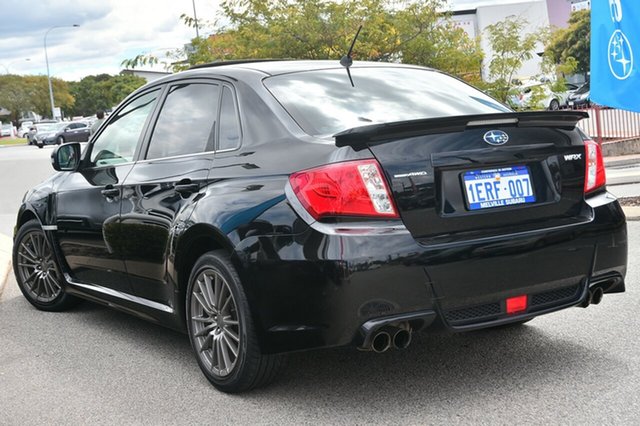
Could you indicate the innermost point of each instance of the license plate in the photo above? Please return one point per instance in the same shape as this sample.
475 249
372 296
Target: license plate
502 187
570 103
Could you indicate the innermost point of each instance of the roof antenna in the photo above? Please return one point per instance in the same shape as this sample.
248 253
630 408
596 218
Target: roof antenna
346 61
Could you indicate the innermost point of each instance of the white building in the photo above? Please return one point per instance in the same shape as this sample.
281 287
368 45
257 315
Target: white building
146 74
474 18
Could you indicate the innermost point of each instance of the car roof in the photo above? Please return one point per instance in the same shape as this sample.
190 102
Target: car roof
275 66
265 68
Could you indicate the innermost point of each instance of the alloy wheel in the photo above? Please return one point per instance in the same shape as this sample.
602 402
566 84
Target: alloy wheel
215 323
36 268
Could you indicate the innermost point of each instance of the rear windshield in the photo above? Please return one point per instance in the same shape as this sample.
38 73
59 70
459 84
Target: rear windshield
323 102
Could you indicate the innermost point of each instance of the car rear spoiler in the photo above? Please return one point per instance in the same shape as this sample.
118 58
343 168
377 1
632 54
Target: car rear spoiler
359 137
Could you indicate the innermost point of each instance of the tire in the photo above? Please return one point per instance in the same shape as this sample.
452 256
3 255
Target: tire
40 145
554 105
36 271
215 338
59 140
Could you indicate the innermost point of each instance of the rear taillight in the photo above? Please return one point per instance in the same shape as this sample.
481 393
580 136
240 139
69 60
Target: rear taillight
594 176
352 188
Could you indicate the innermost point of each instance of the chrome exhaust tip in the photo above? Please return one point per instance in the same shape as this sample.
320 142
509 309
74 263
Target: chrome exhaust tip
402 338
381 342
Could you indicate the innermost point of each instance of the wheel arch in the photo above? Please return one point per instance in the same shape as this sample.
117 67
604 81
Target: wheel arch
193 243
25 215
189 247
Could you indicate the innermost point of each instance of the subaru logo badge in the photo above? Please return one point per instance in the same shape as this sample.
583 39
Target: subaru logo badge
620 55
496 137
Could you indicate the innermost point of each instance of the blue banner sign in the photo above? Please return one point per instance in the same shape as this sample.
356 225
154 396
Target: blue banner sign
615 52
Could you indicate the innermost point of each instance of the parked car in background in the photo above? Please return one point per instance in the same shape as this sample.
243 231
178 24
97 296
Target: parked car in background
40 129
278 206
23 130
59 133
547 99
40 126
7 130
580 97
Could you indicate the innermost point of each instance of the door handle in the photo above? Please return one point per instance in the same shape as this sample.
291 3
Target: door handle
186 187
110 192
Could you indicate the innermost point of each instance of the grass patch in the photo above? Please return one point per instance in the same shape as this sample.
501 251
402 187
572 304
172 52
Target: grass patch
15 141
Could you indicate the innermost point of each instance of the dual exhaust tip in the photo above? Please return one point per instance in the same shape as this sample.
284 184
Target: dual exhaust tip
388 336
594 297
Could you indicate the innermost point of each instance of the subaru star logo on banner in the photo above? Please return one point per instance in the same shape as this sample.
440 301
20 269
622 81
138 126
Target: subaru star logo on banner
615 52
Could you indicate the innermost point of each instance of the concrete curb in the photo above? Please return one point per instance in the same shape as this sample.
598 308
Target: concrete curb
631 212
6 244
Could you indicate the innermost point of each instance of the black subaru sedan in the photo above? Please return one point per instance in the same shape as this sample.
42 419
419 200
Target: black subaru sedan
277 206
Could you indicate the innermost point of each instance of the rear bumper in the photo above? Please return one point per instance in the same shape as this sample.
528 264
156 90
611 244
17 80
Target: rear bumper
319 289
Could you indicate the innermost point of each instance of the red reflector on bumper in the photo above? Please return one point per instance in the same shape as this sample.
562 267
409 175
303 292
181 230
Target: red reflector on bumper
516 304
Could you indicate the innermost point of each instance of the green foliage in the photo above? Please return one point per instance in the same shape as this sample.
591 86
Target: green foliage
15 95
433 40
572 42
538 95
511 48
140 60
31 93
411 31
62 97
103 91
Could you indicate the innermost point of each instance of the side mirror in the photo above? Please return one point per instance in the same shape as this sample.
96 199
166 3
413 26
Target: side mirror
66 157
66 129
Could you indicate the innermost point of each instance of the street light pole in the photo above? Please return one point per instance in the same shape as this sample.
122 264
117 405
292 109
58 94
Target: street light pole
195 17
46 57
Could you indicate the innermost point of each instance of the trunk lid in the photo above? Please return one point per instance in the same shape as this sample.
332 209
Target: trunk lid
469 177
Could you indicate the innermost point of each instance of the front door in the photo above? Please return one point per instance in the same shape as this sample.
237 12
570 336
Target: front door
87 203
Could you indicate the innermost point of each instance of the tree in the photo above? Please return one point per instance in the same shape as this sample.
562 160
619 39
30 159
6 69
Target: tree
31 93
511 48
402 30
102 92
39 93
572 42
15 95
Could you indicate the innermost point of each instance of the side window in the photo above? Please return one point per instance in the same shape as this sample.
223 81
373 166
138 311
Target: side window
229 122
186 123
117 142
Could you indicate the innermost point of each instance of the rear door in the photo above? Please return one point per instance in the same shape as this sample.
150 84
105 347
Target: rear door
162 188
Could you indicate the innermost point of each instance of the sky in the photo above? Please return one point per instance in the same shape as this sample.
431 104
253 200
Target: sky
109 32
